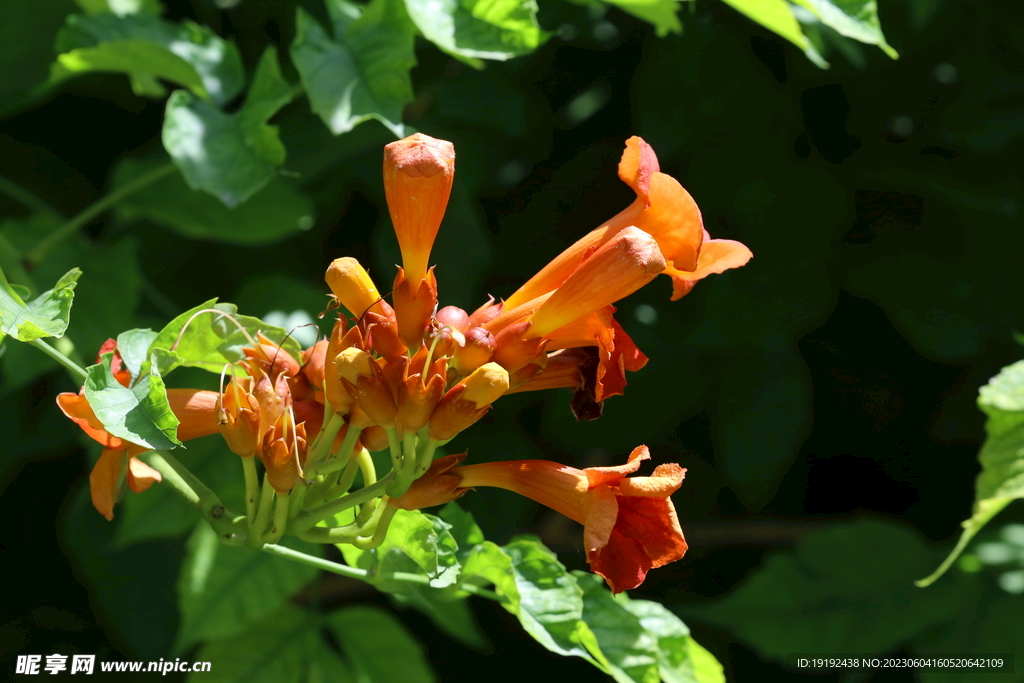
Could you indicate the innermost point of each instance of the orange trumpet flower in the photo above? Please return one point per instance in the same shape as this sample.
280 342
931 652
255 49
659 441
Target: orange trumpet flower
662 209
629 523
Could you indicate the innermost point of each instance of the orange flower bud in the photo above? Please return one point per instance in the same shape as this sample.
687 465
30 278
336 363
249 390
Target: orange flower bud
381 331
415 302
453 317
516 346
416 402
313 360
418 173
352 286
477 350
467 401
239 420
366 385
436 487
284 452
615 270
374 438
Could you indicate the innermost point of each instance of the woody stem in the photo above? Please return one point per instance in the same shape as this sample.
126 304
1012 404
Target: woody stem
230 527
368 577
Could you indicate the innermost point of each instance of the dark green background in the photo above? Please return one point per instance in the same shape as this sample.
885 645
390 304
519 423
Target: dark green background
831 379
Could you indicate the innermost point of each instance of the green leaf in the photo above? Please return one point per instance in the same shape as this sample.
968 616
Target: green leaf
140 414
147 48
846 589
462 527
380 646
27 32
363 71
479 29
285 647
450 613
774 15
224 590
1002 456
121 7
45 316
632 652
212 340
231 156
857 19
680 658
276 211
546 599
417 543
662 14
133 345
162 514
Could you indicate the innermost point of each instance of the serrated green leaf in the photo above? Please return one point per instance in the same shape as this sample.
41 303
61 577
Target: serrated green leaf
380 646
1002 456
857 19
231 156
277 210
45 316
211 339
462 527
632 652
285 647
140 415
662 14
133 346
479 29
147 48
363 71
224 590
680 658
546 599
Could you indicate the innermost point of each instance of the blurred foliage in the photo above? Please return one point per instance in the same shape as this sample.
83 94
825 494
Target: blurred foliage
831 377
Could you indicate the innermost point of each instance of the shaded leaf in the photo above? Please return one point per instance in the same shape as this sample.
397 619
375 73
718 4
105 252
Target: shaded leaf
277 210
231 156
380 646
363 71
846 589
147 48
285 647
140 415
224 590
662 14
45 316
27 31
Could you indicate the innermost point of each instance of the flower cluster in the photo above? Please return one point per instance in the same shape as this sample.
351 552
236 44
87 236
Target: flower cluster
399 374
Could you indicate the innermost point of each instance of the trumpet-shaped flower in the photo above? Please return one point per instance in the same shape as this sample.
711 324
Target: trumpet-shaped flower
664 210
629 523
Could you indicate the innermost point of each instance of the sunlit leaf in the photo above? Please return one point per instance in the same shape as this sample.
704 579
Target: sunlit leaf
662 14
133 346
540 592
231 156
224 590
121 7
212 339
140 415
380 647
148 48
362 72
857 19
479 29
680 658
632 652
1002 456
45 316
774 15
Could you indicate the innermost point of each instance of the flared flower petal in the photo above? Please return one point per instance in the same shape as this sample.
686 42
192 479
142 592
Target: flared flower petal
629 524
662 209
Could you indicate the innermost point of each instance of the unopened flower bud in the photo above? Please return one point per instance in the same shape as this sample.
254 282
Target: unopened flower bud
352 286
485 385
467 401
353 363
477 350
